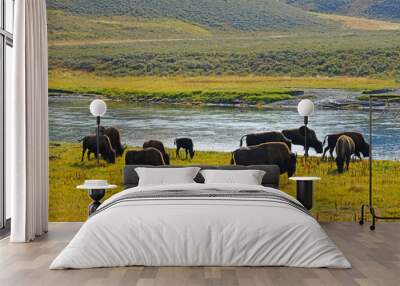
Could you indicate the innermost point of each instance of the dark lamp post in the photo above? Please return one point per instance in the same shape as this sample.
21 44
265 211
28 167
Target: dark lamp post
305 109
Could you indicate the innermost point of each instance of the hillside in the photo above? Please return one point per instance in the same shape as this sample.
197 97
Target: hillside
248 15
379 9
105 37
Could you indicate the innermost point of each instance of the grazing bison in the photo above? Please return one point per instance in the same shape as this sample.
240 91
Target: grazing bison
275 153
106 150
149 156
265 137
361 146
159 146
298 135
102 130
184 143
344 149
115 138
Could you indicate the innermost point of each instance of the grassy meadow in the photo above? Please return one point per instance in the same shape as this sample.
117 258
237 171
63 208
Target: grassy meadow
337 196
129 45
362 24
173 59
203 89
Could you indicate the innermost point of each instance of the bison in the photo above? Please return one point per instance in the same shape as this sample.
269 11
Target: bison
344 149
115 138
106 150
149 156
298 135
361 146
159 146
275 153
184 143
265 137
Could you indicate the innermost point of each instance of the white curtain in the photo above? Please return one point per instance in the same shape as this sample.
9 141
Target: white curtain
27 124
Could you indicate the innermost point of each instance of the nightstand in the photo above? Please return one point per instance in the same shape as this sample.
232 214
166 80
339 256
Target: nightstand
304 190
96 190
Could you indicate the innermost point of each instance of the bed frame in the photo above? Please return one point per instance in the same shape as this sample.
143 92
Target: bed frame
271 177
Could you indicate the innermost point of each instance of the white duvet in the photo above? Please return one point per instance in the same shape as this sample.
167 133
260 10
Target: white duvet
202 232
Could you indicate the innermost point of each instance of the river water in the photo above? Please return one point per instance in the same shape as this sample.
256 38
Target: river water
212 128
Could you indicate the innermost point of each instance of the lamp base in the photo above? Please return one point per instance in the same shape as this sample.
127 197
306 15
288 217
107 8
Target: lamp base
96 195
373 216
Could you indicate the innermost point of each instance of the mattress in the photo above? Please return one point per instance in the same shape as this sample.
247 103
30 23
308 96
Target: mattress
201 225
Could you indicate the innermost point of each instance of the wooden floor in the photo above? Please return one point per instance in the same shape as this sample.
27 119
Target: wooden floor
375 257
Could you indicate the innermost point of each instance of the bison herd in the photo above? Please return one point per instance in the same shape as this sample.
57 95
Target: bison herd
262 148
109 144
276 153
153 152
275 148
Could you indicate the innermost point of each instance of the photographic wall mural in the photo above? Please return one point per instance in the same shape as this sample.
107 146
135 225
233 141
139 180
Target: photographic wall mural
191 81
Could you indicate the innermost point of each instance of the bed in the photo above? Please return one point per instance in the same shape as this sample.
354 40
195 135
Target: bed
199 224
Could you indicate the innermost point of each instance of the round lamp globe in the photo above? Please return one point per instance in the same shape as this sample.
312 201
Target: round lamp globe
305 107
98 107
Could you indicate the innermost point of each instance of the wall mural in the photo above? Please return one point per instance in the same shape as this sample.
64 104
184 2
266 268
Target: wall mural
184 84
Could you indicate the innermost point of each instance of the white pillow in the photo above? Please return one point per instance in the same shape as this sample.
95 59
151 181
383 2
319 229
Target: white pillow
244 177
166 176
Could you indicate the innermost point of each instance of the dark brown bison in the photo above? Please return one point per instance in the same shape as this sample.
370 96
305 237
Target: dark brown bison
298 135
265 137
149 156
272 153
344 149
361 146
186 144
115 138
159 146
106 150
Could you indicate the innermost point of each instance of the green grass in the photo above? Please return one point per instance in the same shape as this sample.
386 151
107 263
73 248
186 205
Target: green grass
81 81
380 97
337 196
206 89
67 29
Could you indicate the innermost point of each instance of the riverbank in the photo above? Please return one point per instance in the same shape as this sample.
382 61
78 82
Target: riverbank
212 128
212 90
337 196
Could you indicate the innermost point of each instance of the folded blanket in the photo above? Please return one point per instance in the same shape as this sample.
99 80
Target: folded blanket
208 193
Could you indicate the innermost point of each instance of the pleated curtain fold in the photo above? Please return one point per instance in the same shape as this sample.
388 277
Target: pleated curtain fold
27 124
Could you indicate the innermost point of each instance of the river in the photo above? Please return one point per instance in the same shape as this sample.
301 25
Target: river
212 128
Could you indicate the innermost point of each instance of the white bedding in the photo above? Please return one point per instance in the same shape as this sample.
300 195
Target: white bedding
200 231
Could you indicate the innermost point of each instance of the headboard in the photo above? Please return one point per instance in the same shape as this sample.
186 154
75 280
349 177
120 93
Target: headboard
271 177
